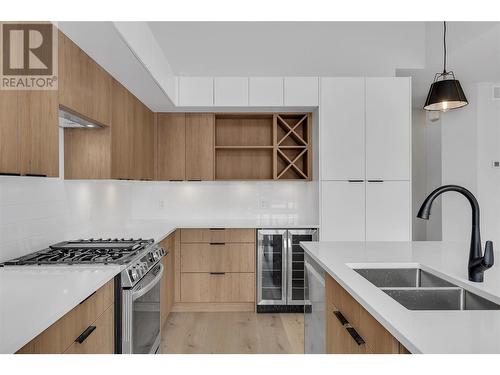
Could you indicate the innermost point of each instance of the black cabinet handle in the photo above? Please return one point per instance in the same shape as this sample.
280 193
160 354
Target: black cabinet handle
217 229
35 175
355 180
375 180
217 243
341 318
355 335
85 334
350 329
217 273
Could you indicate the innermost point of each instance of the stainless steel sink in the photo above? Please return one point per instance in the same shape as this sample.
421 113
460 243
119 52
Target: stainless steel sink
401 277
417 289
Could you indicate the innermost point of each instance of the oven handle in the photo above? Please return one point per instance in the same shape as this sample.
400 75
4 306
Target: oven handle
147 288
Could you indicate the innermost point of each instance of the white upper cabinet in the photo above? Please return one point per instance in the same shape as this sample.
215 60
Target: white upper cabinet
301 91
266 91
196 91
342 211
388 211
342 138
231 91
388 126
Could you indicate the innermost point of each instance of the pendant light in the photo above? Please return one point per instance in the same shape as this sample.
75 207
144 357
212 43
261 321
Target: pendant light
445 92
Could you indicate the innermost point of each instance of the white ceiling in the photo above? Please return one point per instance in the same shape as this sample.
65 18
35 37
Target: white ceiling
291 48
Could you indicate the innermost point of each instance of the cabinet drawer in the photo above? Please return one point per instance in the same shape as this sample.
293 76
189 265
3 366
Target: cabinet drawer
224 287
100 339
61 335
217 235
216 257
338 338
377 338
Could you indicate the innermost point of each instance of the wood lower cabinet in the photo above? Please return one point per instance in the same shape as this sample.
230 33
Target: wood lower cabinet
167 286
29 133
216 270
350 329
101 339
95 311
218 287
200 146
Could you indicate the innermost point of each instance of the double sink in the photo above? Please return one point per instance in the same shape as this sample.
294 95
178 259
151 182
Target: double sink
417 289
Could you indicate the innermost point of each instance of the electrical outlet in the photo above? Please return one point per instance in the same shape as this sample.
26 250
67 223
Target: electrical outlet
495 163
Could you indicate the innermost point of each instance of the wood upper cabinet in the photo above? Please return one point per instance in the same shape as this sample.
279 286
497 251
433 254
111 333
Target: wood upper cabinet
171 146
9 133
29 134
84 87
200 146
142 141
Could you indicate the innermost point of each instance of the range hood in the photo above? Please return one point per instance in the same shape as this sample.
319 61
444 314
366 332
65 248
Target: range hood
70 120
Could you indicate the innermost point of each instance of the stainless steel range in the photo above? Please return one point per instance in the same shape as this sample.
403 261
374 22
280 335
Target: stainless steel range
137 287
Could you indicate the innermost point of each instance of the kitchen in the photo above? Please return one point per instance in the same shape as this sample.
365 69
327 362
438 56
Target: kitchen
153 204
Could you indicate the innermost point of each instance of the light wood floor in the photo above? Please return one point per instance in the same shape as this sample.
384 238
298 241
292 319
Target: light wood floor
233 333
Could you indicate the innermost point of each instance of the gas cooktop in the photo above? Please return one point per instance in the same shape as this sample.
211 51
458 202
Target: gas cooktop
90 251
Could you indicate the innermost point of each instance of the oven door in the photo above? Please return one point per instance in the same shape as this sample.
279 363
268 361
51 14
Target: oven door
141 314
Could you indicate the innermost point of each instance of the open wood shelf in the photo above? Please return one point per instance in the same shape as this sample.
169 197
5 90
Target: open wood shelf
262 146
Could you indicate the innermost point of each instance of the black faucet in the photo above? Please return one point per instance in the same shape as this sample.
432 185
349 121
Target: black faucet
477 262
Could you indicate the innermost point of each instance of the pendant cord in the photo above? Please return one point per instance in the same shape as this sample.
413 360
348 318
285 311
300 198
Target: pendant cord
444 47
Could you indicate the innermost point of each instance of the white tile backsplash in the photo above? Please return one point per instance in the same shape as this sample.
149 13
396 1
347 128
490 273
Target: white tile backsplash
37 212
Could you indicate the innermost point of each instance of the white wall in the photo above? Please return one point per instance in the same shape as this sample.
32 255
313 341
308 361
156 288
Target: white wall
37 212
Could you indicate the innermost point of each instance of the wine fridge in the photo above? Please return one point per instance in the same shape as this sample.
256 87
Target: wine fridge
280 269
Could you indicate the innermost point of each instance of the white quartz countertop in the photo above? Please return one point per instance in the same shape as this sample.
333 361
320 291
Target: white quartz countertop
33 298
419 331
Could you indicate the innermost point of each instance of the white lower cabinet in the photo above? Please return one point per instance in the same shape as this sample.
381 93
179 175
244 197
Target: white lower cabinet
342 211
388 212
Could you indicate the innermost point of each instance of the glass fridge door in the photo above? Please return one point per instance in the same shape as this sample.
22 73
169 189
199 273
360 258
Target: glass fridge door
271 267
314 317
295 259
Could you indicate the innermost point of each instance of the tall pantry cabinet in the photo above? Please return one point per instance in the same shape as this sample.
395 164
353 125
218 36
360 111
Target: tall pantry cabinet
365 163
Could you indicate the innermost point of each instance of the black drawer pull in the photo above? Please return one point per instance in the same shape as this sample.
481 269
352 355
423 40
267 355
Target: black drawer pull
9 174
375 180
217 273
341 318
85 334
355 335
355 180
216 228
217 243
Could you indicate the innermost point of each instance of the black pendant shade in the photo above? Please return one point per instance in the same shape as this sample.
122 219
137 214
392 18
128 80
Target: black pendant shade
445 94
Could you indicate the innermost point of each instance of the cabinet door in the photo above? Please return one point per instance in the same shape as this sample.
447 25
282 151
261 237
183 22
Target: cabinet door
265 91
9 133
196 91
231 91
342 211
143 141
84 87
122 133
301 91
342 119
200 146
171 146
388 122
388 211
39 133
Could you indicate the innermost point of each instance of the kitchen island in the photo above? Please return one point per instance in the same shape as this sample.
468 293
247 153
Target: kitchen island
419 331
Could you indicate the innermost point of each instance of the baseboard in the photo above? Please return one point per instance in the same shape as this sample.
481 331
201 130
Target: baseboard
212 307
